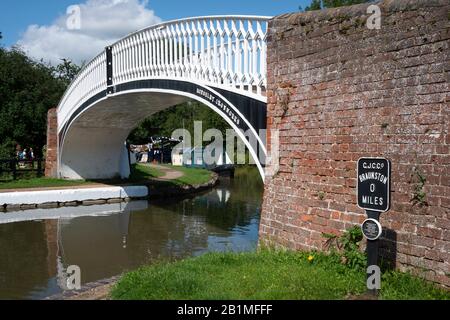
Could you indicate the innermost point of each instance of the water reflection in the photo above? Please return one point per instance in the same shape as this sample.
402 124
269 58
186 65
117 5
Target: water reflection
106 240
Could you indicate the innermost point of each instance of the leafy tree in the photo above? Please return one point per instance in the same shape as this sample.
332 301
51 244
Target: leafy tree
165 122
27 90
315 5
322 4
342 3
66 71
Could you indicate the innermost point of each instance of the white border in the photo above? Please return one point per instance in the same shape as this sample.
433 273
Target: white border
388 183
380 229
72 194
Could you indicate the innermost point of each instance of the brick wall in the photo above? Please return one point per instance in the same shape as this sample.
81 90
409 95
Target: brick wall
52 144
338 91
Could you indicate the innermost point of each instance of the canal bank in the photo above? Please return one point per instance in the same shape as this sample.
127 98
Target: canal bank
267 274
171 183
69 196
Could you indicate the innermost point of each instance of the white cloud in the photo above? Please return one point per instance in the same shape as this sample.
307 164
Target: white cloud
102 22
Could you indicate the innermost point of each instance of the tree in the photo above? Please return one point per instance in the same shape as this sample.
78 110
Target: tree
315 5
341 3
323 4
27 90
165 122
66 71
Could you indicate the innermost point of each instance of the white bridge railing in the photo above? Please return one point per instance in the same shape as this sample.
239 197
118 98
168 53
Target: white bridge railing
223 51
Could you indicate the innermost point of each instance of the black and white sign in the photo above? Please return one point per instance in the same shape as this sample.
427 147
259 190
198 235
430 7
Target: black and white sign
373 185
371 229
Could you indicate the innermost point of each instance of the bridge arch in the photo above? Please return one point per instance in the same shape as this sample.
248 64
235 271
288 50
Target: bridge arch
218 61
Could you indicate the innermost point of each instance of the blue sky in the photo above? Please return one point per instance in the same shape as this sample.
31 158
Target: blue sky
17 15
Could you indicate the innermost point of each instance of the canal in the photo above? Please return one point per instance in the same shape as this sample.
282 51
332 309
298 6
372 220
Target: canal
36 246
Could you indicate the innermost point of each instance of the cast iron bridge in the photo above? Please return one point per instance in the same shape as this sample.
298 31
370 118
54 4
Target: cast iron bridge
219 61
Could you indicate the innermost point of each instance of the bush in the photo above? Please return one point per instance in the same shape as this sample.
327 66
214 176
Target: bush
7 149
348 246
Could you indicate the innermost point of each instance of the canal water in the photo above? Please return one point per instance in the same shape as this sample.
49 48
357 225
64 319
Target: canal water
36 246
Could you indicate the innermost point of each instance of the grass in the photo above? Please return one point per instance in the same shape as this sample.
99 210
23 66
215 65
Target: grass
40 183
139 174
401 285
263 275
191 176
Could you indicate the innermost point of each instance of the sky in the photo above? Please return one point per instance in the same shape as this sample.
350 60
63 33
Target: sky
40 27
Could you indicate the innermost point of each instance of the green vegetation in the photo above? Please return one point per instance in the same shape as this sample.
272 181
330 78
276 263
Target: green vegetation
348 247
419 191
139 174
27 90
266 274
40 183
272 274
192 176
321 195
165 122
323 4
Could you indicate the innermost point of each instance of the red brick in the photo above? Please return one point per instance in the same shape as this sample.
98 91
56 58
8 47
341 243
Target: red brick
52 143
353 99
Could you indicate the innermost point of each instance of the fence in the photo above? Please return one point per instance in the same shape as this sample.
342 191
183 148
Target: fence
11 169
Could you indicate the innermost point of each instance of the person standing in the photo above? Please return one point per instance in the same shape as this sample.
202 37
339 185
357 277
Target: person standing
18 151
150 152
23 155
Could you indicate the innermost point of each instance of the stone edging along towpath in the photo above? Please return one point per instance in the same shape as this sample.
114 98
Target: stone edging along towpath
94 194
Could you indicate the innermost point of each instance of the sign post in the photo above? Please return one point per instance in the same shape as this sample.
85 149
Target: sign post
373 193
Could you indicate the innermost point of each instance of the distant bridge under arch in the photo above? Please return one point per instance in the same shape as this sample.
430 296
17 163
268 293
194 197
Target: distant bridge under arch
219 61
